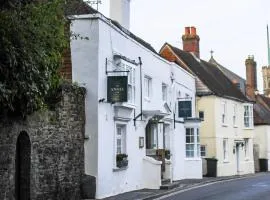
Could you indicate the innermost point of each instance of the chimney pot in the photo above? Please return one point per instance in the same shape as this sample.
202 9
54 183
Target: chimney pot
187 30
191 41
193 30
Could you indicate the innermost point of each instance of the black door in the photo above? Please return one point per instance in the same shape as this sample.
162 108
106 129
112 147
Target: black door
23 161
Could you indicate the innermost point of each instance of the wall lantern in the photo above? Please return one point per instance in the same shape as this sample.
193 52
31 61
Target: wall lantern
141 142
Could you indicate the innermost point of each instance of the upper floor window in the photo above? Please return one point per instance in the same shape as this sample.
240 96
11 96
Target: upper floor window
248 116
185 109
234 114
147 86
164 91
131 84
130 71
223 112
201 115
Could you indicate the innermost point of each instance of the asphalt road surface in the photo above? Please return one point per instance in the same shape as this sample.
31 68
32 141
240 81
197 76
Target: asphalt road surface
251 188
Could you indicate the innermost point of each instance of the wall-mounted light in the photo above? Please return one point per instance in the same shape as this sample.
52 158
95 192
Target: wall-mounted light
141 142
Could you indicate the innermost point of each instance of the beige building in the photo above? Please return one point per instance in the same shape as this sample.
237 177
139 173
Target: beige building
227 114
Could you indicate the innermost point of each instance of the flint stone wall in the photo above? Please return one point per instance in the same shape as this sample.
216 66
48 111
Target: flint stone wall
57 149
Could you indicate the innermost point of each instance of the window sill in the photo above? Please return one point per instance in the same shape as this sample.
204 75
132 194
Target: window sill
193 159
235 126
128 105
147 99
248 128
247 159
224 125
226 161
119 169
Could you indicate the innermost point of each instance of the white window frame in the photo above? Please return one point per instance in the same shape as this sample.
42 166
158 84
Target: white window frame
125 66
246 147
225 144
164 92
147 87
193 145
203 151
235 115
248 116
122 137
223 112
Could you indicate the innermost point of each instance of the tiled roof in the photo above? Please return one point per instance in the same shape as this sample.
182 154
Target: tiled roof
78 7
262 110
231 75
210 75
225 70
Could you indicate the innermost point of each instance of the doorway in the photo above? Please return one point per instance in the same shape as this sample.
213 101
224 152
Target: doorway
23 164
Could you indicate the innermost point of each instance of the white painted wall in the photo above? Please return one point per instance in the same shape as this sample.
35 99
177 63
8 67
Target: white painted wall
88 59
262 139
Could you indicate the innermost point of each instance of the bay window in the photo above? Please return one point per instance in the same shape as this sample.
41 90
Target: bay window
192 143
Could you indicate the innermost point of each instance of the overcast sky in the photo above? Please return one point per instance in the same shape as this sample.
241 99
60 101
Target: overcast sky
234 29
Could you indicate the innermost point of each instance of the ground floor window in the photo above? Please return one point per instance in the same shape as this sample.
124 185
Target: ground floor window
152 136
192 143
246 146
120 144
203 150
225 149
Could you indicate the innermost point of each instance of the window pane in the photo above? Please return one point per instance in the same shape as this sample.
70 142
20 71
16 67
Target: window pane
119 130
188 139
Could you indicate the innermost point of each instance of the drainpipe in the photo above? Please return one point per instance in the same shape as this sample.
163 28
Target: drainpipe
140 63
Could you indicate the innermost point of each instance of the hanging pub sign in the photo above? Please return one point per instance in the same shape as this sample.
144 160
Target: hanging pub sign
117 87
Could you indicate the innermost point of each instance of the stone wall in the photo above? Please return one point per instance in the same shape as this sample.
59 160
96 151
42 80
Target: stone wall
57 150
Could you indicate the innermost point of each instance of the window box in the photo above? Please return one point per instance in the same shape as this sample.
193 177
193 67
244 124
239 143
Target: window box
121 160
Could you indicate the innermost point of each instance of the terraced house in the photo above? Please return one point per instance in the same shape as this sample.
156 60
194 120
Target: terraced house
227 129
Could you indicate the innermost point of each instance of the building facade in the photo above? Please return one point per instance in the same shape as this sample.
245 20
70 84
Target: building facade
140 109
227 128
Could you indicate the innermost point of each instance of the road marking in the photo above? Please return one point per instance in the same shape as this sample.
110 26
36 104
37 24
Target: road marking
199 186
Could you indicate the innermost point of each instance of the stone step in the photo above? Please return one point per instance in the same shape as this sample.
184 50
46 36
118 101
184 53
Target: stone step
165 181
169 186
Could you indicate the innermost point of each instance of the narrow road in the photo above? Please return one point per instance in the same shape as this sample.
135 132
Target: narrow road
252 188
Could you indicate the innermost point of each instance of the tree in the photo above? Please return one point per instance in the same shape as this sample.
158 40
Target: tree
31 45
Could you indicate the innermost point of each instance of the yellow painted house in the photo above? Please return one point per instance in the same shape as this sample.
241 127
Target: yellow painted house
227 131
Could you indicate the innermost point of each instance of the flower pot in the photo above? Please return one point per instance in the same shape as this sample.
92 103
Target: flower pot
122 163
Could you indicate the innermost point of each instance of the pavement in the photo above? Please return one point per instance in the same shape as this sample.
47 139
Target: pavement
148 194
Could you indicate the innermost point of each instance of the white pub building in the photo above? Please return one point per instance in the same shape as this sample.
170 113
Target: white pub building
140 109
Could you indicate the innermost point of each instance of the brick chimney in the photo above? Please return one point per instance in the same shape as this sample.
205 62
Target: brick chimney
191 41
251 76
120 11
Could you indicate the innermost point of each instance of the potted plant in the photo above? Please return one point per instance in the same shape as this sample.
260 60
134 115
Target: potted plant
121 160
